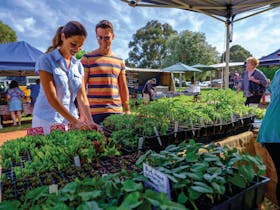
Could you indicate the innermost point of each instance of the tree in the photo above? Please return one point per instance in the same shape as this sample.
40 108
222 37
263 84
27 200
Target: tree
149 45
237 54
190 48
7 34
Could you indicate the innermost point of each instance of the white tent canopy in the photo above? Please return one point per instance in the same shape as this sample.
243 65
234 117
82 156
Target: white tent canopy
181 68
223 65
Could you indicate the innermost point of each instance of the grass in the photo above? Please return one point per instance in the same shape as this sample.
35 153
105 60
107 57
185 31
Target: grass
8 127
15 128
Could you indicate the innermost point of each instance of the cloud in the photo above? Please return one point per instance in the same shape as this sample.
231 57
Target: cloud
36 22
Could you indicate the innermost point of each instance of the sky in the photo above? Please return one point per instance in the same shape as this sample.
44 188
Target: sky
36 22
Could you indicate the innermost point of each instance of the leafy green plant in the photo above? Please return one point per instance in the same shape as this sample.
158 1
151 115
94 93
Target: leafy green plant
199 171
113 192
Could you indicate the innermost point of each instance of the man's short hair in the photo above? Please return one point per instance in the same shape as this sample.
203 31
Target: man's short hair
105 24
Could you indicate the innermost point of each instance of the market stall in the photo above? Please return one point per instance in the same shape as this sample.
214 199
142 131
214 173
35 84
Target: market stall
170 131
25 178
137 77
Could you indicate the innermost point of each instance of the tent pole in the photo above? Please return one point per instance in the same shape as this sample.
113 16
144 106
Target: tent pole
226 73
180 80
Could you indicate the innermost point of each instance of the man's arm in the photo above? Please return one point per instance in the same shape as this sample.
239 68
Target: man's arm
124 94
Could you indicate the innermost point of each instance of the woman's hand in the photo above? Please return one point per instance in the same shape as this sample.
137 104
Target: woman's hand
252 78
95 126
80 125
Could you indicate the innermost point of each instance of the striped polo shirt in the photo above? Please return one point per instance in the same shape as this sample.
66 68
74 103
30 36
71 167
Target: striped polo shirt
103 89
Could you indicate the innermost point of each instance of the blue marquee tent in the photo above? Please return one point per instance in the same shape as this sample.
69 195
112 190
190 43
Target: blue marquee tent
271 59
18 58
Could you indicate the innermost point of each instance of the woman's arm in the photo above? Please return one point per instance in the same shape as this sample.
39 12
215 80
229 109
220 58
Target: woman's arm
84 107
50 92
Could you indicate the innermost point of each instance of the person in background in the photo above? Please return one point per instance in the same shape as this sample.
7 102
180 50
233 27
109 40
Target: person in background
252 74
269 132
236 79
149 90
231 82
61 77
105 76
194 89
34 91
15 96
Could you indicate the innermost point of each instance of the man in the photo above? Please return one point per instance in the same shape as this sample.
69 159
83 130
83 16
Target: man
105 76
149 90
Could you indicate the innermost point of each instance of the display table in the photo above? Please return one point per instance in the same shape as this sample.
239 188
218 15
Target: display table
246 143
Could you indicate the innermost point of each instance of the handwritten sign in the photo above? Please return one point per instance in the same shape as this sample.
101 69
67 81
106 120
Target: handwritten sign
158 181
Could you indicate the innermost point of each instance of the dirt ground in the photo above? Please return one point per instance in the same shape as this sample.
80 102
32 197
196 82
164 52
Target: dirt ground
11 135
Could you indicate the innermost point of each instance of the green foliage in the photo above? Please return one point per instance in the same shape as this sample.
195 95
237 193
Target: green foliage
190 48
214 107
198 170
7 34
269 71
56 150
148 47
237 54
127 129
110 192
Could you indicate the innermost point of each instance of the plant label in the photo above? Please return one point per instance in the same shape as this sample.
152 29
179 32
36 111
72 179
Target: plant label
157 135
176 128
221 124
192 126
232 119
202 123
242 122
158 181
77 161
191 122
53 188
140 142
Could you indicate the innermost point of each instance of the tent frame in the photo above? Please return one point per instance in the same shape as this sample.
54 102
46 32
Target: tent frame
222 10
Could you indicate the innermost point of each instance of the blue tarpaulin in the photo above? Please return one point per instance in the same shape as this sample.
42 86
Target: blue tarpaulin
17 57
271 59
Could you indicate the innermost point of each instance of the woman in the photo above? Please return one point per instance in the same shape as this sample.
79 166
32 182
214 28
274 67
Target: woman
15 96
61 76
269 132
254 82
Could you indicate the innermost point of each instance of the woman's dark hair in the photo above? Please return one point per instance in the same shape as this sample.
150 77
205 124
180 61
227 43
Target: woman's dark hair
72 28
13 84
